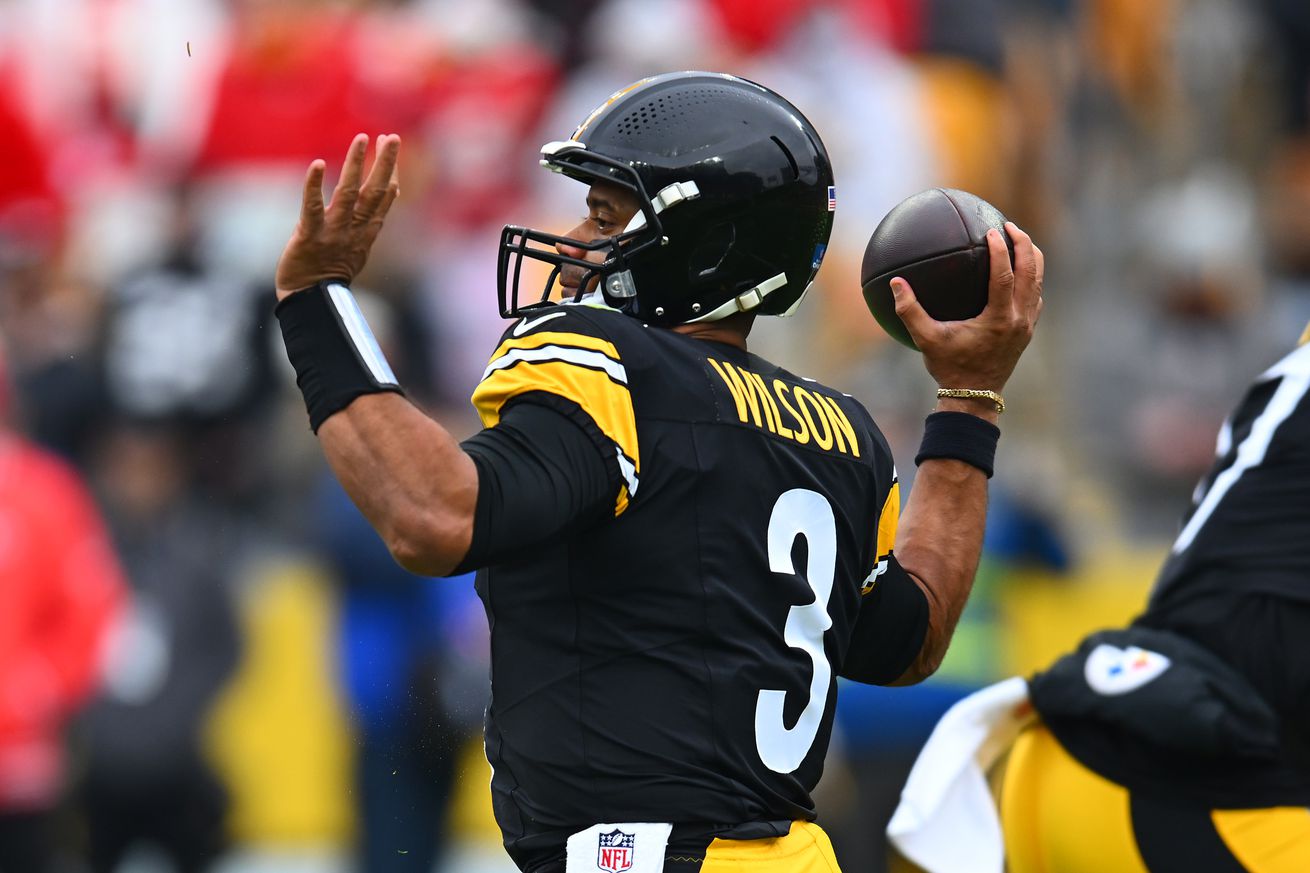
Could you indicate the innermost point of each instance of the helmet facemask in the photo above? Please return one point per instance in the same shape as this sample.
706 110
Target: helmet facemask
643 232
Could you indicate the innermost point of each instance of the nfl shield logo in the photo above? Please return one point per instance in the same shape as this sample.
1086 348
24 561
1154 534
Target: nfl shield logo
614 851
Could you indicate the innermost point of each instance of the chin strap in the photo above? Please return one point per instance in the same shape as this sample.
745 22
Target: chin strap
791 310
744 302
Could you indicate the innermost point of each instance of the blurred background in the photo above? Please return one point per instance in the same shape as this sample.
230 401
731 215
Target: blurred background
207 659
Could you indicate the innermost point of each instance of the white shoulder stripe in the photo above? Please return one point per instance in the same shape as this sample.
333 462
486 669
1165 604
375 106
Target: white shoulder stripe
1294 370
543 354
361 336
628 470
874 574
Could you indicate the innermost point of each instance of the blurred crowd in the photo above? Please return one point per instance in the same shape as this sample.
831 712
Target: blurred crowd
239 664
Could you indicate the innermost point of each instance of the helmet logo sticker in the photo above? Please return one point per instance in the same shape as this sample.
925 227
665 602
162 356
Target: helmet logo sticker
819 251
602 107
832 198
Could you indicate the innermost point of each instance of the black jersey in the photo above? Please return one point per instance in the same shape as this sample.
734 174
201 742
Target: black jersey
1244 552
1249 527
678 661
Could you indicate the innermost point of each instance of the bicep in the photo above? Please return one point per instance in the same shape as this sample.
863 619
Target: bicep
543 475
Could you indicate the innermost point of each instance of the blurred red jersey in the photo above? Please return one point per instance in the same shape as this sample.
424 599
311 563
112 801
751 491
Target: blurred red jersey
60 587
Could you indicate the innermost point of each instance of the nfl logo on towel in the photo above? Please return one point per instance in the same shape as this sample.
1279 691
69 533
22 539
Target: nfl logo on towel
614 851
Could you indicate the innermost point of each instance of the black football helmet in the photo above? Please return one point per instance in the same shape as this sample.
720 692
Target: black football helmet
736 201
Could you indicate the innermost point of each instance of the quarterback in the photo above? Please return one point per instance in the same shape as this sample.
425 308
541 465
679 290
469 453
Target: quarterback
680 545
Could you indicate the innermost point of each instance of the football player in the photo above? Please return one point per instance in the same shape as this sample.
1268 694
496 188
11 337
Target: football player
679 544
1181 742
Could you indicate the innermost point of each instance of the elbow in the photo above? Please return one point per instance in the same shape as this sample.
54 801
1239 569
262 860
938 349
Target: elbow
429 544
417 557
943 615
924 666
936 640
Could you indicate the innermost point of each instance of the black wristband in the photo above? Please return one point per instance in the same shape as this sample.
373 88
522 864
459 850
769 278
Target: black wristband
959 436
332 349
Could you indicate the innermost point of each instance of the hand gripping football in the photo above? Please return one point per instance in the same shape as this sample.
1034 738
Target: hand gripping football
936 241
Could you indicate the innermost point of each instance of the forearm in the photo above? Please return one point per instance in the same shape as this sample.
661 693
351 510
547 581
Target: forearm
408 476
940 541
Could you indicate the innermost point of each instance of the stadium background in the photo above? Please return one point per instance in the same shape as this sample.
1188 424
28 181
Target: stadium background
149 173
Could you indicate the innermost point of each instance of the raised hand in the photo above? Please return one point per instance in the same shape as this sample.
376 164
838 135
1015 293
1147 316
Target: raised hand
981 352
333 242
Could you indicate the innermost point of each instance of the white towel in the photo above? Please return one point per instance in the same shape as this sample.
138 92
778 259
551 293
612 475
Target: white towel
947 820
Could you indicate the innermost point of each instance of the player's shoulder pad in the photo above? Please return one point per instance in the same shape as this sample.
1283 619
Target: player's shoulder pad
574 335
879 455
564 353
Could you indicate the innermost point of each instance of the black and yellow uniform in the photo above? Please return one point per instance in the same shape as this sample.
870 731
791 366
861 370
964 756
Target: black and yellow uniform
1060 816
1203 761
669 653
1248 525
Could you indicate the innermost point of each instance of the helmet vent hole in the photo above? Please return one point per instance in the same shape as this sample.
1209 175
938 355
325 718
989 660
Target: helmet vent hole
795 170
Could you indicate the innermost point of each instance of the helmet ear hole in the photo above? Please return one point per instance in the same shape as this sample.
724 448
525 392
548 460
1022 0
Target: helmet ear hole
711 251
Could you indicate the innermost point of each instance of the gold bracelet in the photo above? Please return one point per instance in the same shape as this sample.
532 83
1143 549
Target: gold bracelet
974 394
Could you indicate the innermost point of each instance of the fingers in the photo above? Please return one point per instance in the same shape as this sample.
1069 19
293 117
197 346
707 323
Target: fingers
311 201
392 192
1000 285
383 183
347 190
922 326
1029 265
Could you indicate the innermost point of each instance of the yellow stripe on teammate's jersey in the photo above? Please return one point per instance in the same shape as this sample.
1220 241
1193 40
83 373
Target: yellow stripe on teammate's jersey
583 369
1275 839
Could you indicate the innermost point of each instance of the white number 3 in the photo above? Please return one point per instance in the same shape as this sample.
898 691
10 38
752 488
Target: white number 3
797 513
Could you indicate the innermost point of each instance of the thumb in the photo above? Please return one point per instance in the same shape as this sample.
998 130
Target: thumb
919 323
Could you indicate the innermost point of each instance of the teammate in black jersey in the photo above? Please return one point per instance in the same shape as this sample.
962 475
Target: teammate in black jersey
680 545
1182 742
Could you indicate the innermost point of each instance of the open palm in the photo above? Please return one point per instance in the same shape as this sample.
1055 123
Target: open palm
333 242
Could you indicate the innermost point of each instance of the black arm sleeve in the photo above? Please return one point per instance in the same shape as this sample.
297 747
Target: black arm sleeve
542 475
889 629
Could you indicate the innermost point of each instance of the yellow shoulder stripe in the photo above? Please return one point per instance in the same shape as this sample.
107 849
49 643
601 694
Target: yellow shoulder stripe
586 375
888 519
558 338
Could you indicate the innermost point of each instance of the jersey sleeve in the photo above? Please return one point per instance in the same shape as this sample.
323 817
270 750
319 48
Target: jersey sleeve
561 355
887 497
889 629
885 540
893 615
540 478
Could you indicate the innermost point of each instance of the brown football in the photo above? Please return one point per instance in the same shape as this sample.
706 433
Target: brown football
936 241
